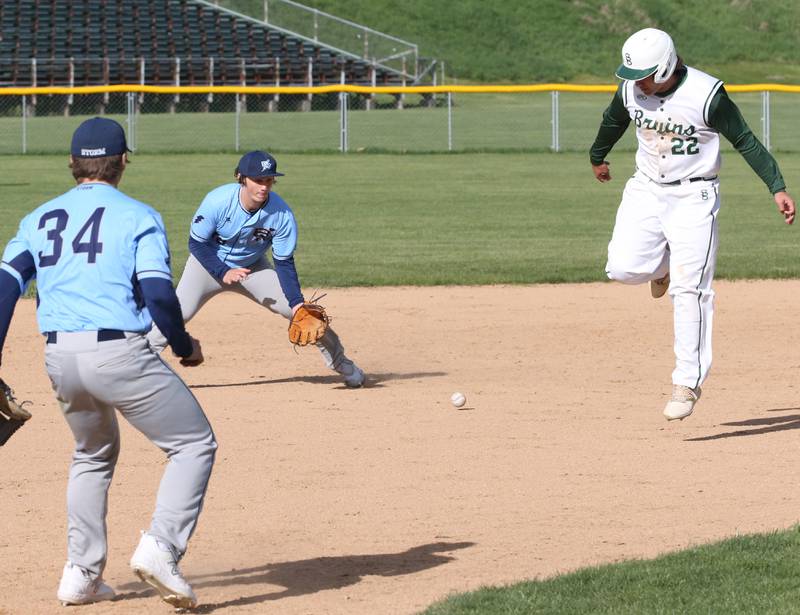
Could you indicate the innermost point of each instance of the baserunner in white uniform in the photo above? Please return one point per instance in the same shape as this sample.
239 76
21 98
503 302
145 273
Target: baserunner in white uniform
230 234
666 226
102 267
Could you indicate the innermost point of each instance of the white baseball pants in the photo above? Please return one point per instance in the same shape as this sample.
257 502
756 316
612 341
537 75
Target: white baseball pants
662 228
91 378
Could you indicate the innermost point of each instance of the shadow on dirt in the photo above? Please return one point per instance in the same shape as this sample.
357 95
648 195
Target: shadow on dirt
373 380
760 426
312 575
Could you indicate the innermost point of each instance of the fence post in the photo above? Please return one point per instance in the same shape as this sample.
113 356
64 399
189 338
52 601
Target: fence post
34 82
449 121
765 121
71 80
24 124
244 82
210 97
131 100
141 78
343 122
554 145
238 114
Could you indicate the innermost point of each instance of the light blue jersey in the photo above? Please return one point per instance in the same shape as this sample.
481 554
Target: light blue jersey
90 246
242 237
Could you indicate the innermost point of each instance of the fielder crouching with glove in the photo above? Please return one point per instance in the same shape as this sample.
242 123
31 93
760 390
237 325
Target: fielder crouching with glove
230 234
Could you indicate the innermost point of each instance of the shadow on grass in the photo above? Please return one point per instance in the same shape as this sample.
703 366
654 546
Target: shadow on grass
759 426
373 380
310 576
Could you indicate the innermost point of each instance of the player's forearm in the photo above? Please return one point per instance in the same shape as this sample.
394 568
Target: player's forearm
615 123
9 294
287 277
206 255
165 310
762 162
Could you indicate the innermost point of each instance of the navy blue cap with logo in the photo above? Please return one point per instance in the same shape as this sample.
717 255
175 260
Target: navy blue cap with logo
98 137
258 164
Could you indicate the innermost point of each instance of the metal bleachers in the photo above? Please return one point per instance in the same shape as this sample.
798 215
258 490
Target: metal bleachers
93 42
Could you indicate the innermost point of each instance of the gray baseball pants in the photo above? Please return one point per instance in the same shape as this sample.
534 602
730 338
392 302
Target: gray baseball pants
197 286
91 378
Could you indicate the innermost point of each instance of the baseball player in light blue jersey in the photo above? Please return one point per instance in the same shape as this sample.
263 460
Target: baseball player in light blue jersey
231 232
102 267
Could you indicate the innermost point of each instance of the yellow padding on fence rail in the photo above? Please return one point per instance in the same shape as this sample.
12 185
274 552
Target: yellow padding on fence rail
356 89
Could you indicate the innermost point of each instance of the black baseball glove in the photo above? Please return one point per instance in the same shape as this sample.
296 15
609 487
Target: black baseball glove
12 413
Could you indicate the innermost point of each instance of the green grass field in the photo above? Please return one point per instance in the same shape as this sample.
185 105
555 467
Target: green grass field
435 219
749 574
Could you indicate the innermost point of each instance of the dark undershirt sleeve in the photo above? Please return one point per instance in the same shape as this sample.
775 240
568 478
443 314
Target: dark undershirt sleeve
287 276
614 124
205 253
724 115
9 294
165 309
10 290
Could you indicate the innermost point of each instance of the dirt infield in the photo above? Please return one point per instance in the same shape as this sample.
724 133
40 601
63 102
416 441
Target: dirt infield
326 500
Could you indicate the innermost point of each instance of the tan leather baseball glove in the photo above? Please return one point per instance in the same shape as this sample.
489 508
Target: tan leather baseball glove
308 324
12 414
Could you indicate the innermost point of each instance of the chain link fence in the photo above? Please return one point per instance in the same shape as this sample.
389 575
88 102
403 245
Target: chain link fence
399 122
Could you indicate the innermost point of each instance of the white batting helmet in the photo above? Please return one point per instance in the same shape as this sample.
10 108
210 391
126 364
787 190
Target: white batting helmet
648 52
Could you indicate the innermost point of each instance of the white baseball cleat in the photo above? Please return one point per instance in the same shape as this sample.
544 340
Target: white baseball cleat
682 402
156 563
659 287
78 587
353 376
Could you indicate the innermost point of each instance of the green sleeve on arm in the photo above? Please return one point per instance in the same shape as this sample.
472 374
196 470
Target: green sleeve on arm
724 115
615 123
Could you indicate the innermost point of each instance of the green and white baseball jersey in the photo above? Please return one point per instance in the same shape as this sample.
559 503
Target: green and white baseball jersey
676 141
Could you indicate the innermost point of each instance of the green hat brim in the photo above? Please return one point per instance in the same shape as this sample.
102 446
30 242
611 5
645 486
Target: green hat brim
633 74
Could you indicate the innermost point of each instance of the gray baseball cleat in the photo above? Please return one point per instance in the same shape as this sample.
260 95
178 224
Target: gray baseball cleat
659 287
682 402
156 563
353 376
78 587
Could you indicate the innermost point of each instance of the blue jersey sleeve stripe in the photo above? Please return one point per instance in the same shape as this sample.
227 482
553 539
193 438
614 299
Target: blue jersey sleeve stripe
153 273
149 231
24 265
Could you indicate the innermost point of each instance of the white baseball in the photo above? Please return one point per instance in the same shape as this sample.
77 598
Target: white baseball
458 399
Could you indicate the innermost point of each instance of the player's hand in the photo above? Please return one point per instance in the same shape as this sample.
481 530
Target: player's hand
196 358
232 276
601 171
785 206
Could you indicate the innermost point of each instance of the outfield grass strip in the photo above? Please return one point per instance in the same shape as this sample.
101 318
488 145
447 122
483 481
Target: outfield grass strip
748 574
